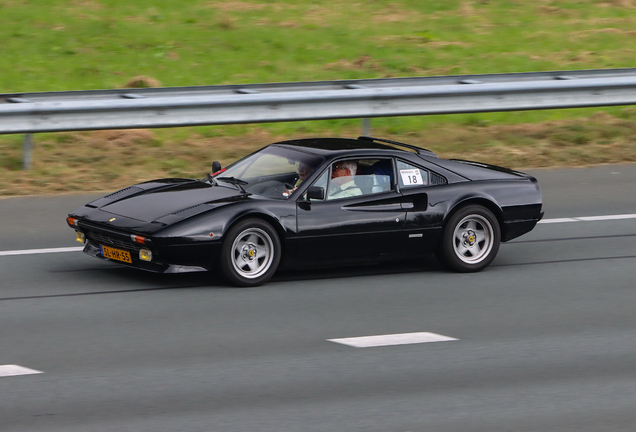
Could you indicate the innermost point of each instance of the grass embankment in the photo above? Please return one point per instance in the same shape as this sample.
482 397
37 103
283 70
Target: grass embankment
91 44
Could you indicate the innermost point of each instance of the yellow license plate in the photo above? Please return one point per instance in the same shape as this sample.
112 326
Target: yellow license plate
116 254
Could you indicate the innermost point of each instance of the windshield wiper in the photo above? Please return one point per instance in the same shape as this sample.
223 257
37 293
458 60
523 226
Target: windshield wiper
233 180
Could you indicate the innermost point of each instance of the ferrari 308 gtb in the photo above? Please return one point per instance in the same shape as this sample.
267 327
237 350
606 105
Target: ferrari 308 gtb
313 202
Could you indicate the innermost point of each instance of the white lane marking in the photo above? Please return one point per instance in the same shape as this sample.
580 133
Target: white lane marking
41 251
544 221
392 339
14 370
588 218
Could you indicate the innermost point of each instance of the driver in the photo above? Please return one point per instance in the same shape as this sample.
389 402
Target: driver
304 171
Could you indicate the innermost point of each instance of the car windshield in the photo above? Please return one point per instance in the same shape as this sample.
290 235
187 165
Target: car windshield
274 171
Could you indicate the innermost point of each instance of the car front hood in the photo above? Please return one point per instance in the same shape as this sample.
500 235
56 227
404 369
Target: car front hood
166 204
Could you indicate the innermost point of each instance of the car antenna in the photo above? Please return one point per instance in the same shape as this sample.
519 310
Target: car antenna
418 150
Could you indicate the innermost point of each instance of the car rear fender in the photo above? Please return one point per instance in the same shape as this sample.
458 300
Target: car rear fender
482 201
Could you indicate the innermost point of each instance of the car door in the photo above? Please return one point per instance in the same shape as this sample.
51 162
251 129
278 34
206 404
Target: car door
423 224
351 229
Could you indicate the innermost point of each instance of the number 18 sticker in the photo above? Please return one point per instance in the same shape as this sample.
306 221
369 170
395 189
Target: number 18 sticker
411 177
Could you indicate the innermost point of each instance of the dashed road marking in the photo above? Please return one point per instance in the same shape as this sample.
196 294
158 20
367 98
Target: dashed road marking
15 370
392 339
588 218
41 251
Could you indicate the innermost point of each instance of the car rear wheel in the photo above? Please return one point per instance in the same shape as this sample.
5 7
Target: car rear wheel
251 253
470 240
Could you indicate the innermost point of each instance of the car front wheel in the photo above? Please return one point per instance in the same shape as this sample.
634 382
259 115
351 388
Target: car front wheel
470 240
251 253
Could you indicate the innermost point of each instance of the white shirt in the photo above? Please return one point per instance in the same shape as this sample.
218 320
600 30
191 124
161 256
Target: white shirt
347 189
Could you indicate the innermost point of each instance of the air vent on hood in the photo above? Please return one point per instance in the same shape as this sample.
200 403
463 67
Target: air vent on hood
183 213
187 209
124 192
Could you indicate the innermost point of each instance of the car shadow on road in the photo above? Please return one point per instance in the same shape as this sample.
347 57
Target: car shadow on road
115 278
386 268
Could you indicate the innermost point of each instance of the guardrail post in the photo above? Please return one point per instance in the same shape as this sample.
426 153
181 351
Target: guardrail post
26 151
366 126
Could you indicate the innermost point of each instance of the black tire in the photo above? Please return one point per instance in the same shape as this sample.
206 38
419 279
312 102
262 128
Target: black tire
470 240
250 253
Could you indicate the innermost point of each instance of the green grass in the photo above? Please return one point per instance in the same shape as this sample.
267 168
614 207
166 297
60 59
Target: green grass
55 45
91 44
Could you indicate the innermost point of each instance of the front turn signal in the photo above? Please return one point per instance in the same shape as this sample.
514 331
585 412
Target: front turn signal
138 239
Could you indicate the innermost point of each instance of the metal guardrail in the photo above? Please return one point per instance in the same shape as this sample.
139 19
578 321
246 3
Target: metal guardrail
261 103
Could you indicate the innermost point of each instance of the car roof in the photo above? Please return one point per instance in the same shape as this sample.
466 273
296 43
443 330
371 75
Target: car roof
329 146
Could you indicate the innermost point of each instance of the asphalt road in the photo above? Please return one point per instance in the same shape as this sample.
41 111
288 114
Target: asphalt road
545 335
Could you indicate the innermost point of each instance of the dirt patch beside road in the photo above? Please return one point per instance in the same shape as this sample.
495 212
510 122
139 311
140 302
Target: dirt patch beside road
109 160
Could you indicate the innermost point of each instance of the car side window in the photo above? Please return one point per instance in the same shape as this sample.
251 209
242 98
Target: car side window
342 182
374 175
411 175
358 177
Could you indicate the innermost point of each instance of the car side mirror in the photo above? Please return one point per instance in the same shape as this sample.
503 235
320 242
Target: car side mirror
216 166
316 192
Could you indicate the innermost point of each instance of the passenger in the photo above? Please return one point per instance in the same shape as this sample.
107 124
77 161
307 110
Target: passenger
342 184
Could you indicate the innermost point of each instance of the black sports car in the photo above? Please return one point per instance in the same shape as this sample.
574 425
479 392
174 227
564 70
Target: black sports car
313 202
